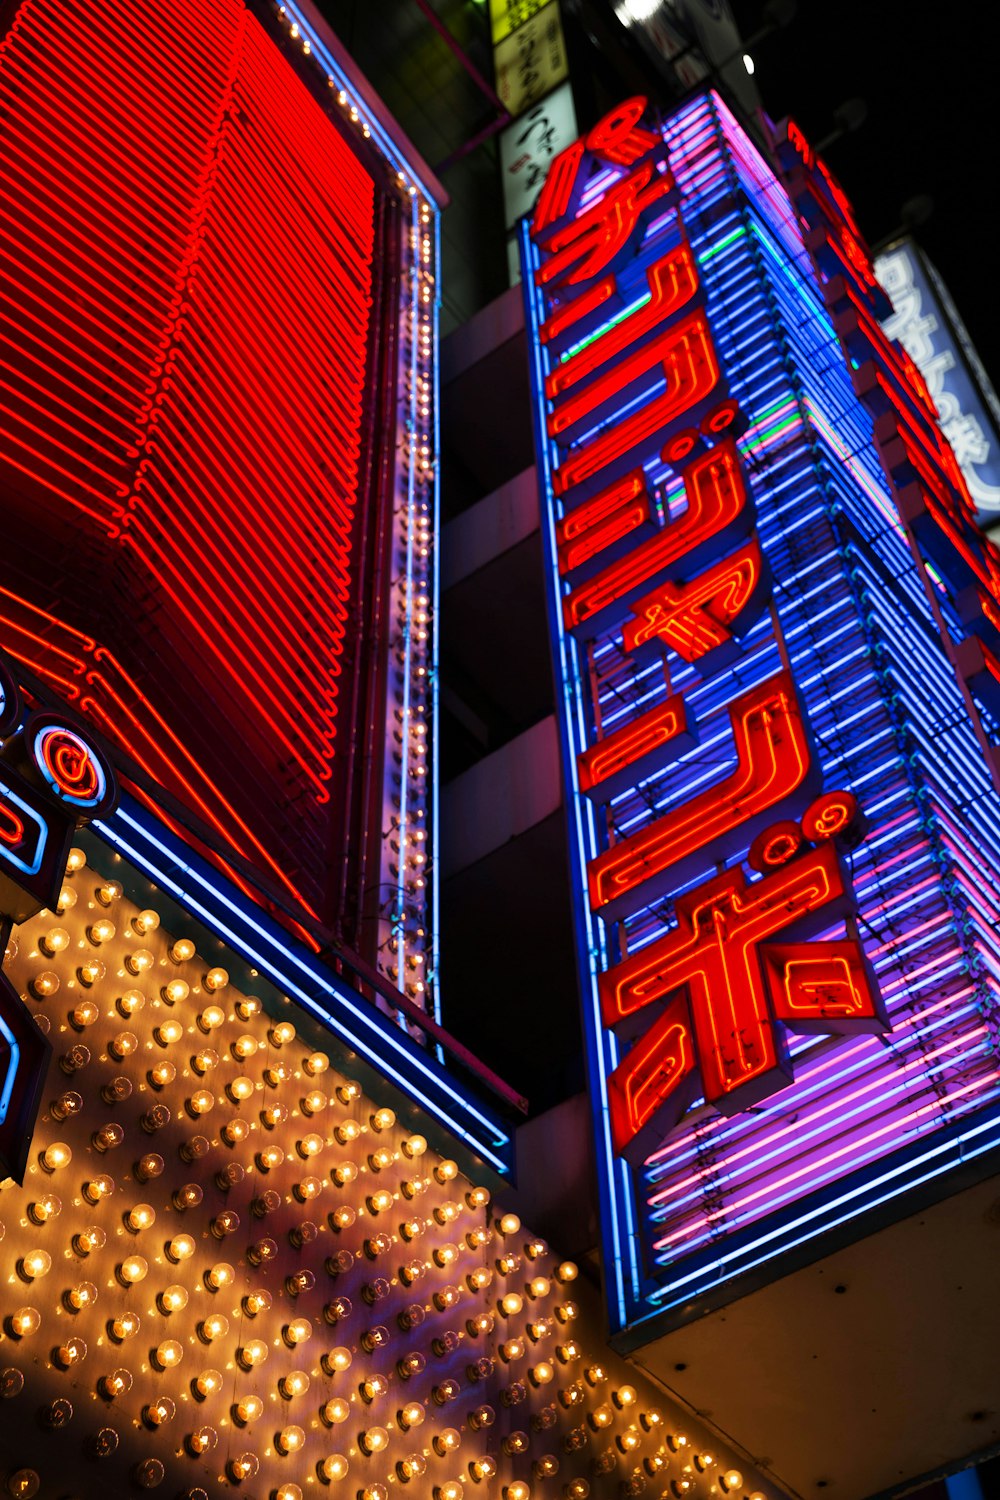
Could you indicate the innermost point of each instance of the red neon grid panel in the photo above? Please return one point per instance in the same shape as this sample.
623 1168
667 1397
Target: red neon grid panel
186 265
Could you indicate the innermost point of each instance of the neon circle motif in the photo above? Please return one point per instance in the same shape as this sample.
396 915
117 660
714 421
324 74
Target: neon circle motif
775 846
75 772
832 815
617 137
69 767
720 419
680 446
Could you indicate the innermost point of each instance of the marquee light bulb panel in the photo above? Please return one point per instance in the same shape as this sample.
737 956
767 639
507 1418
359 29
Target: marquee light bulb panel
234 1269
775 621
221 398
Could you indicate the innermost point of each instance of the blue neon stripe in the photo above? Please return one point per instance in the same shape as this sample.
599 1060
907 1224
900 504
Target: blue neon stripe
382 1045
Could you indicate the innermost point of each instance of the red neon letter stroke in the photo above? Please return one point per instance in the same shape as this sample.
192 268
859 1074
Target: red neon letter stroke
718 512
773 763
613 514
692 380
798 140
673 281
595 240
562 318
621 758
559 189
699 618
723 981
688 360
618 138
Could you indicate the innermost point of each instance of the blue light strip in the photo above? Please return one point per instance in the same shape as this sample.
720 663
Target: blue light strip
398 919
871 1193
613 1185
168 862
417 495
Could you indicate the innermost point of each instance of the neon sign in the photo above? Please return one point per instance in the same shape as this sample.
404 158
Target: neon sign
299 726
637 405
929 487
927 324
726 986
54 779
878 602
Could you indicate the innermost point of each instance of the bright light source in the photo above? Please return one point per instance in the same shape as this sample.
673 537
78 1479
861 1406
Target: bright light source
635 12
748 63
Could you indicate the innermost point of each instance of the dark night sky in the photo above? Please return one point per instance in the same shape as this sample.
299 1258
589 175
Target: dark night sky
930 79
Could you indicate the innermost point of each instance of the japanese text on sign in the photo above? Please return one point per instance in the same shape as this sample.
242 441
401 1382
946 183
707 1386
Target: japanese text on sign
634 383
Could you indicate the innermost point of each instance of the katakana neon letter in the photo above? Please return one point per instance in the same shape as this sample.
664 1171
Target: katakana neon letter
618 138
719 512
600 236
702 619
774 765
724 989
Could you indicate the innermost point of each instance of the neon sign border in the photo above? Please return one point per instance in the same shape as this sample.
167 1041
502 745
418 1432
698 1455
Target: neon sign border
418 486
139 837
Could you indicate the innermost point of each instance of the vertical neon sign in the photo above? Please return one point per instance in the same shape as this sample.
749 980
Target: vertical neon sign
739 623
648 389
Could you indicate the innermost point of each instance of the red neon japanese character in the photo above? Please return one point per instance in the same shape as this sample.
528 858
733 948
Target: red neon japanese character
568 314
702 619
692 379
601 235
725 987
688 359
560 190
774 764
797 139
618 138
862 335
776 845
911 446
673 282
928 509
628 754
621 514
834 239
719 512
834 815
839 197
934 502
838 253
823 988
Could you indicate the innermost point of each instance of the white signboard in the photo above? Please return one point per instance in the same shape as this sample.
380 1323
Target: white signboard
528 146
927 324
